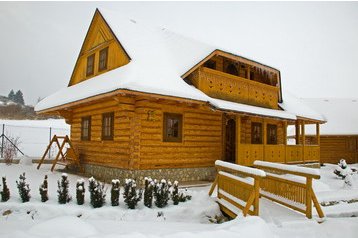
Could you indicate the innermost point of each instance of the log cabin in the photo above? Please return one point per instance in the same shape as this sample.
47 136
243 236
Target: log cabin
339 136
145 101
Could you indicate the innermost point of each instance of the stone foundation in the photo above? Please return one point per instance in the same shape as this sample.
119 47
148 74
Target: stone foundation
181 174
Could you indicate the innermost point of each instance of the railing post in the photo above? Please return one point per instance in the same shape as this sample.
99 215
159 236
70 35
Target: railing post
2 140
257 195
309 197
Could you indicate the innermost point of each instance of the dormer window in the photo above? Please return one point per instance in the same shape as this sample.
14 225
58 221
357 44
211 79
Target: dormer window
231 69
90 65
103 58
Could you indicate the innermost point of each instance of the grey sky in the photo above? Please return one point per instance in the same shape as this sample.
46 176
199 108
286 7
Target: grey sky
314 44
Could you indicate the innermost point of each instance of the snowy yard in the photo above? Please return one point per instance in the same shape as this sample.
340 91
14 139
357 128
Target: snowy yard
189 219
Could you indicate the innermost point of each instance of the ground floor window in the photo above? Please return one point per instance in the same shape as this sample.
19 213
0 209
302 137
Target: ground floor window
271 134
107 126
86 128
256 133
172 127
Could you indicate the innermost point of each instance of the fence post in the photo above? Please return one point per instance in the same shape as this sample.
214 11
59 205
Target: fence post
309 197
2 140
49 152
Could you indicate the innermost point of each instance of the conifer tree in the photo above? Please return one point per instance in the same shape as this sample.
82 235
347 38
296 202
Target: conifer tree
148 192
11 95
5 193
131 195
44 190
19 98
161 193
115 192
97 194
24 188
80 191
175 193
63 191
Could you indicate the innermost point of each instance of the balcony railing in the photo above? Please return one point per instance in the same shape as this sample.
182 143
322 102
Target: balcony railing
248 153
229 87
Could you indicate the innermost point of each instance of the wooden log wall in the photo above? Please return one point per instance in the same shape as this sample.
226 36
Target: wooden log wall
114 153
334 148
201 140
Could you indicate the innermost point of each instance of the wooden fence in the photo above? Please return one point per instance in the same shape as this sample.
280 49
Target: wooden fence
290 186
237 188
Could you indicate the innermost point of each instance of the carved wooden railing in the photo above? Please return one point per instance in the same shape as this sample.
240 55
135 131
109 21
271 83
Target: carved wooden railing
248 153
290 186
237 188
229 87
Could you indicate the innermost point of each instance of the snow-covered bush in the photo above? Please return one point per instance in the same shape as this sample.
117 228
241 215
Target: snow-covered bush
9 150
115 192
24 188
5 193
148 192
131 195
80 191
178 196
162 193
63 193
44 190
97 193
343 169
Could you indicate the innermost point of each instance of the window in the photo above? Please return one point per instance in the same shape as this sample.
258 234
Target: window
172 129
256 133
90 65
103 56
271 134
210 64
107 126
86 128
231 69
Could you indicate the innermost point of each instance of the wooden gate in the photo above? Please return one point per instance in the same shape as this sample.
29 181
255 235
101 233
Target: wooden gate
237 188
290 186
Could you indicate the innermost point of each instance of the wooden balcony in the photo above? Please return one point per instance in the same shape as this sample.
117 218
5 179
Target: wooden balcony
229 87
248 153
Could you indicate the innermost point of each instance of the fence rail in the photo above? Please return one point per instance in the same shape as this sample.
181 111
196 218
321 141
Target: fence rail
290 186
237 188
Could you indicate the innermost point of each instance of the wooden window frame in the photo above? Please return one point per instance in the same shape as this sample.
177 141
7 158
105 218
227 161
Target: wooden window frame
105 66
104 116
253 126
88 136
179 117
268 139
87 65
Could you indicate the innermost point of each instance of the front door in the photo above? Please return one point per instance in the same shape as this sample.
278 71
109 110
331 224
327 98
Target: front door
230 141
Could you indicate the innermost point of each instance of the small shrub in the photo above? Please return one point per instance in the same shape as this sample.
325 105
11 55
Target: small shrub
343 169
24 188
178 196
44 190
63 193
97 194
148 192
5 193
115 192
130 194
161 193
80 191
10 151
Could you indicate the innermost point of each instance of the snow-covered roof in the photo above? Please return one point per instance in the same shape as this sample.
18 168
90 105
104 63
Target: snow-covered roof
341 115
159 58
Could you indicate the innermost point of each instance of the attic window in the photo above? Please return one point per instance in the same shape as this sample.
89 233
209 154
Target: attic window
90 65
103 58
231 69
172 129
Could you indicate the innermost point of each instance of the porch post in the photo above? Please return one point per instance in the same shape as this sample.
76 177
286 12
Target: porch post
285 141
264 134
318 134
297 133
238 140
303 139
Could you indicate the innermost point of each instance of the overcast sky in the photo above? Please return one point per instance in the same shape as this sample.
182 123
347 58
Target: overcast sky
314 45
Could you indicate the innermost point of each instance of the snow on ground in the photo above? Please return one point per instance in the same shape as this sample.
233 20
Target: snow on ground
190 219
34 135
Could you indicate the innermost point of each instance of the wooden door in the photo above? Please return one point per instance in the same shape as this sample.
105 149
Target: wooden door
230 141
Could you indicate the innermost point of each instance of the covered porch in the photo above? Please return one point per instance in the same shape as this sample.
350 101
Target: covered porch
250 138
